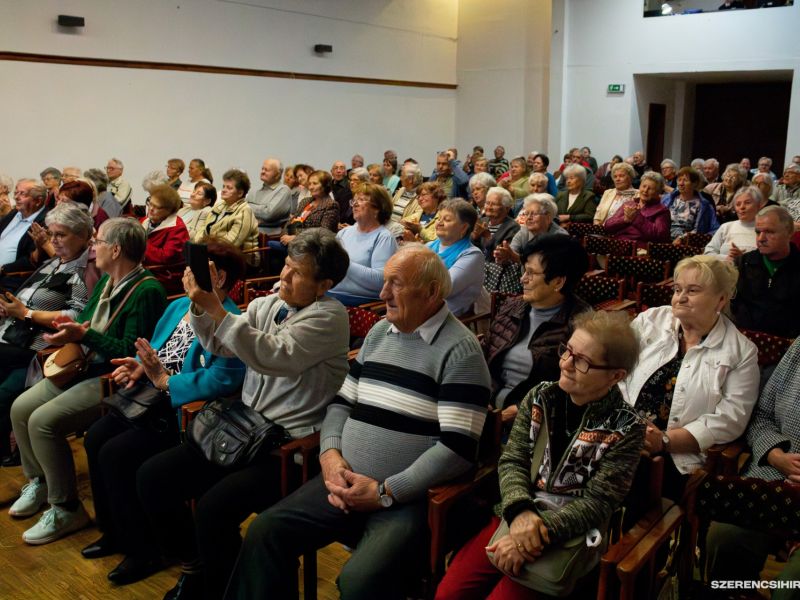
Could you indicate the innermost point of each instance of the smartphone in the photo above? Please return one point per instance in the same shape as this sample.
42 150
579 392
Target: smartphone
196 256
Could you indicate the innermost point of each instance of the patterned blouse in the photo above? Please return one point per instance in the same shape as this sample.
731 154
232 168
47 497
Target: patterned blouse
173 352
655 399
684 216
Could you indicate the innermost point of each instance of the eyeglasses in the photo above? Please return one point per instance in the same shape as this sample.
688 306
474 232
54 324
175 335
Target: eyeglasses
581 363
538 213
98 240
355 201
151 205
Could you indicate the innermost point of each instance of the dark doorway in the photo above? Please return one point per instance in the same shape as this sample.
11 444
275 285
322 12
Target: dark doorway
733 120
656 120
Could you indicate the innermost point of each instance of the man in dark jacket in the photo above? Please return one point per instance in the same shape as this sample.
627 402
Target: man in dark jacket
15 243
768 290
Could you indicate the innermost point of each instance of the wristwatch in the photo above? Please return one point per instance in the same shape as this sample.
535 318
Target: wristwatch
665 441
29 315
385 499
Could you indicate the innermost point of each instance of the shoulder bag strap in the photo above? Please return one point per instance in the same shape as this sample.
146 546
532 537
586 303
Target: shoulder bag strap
538 448
125 300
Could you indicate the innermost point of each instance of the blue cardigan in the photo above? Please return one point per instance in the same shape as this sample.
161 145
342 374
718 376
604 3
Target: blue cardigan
204 375
706 218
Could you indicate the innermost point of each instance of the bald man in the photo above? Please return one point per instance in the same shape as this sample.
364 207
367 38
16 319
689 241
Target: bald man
273 201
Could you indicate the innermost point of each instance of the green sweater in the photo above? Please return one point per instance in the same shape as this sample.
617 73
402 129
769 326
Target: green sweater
137 318
597 466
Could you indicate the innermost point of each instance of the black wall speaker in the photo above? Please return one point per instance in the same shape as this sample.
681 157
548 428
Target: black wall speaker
69 21
323 48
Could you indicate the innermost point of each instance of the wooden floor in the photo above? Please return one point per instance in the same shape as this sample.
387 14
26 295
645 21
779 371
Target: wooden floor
57 571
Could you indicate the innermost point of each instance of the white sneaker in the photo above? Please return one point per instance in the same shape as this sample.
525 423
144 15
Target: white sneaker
56 522
31 499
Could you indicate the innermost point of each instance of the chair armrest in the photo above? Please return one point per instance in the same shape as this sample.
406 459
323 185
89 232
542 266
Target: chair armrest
188 412
723 459
306 447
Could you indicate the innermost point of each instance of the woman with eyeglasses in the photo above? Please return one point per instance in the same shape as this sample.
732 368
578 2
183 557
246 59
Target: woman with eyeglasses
125 305
521 344
166 235
592 440
697 378
369 245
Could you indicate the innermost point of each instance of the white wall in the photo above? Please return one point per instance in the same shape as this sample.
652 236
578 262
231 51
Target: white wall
503 60
62 114
605 46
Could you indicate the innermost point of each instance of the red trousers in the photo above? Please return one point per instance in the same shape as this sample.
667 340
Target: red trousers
472 576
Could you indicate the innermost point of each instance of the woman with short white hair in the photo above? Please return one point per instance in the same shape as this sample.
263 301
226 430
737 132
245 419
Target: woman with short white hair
623 175
575 204
479 186
496 227
734 238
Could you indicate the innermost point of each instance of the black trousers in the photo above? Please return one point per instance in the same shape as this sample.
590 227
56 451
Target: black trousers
225 498
115 450
13 368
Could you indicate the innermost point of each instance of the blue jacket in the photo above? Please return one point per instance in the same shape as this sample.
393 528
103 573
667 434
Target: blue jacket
706 219
460 180
204 375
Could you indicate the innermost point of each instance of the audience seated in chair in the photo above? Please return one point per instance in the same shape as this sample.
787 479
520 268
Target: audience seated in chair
521 347
622 192
495 226
768 291
368 243
575 203
696 381
735 237
294 345
381 452
124 306
195 212
173 361
231 218
464 261
16 246
583 414
166 235
55 289
690 211
271 203
642 219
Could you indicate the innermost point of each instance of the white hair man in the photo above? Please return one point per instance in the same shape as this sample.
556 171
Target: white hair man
273 201
119 188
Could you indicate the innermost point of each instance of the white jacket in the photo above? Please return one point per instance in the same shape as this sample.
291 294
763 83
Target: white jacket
717 385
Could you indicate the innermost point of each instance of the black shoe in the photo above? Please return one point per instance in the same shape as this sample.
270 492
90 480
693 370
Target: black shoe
134 569
12 460
189 587
100 548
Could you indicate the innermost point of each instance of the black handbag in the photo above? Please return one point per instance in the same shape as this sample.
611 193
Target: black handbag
229 433
138 402
20 333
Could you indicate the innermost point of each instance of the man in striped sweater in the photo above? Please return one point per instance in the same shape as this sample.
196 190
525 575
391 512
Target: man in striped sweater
408 416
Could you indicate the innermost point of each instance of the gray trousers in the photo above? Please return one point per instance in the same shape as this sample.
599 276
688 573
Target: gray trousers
42 417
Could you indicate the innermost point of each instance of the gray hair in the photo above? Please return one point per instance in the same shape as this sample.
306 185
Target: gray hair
574 170
416 172
738 169
99 178
280 164
623 166
656 178
669 162
74 171
712 161
117 162
320 245
429 268
463 210
766 158
73 216
698 163
505 196
361 173
783 215
7 182
767 179
128 234
544 201
37 191
793 167
154 178
752 191
484 180
537 177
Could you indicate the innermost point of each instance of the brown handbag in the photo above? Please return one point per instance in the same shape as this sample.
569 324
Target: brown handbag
66 364
70 362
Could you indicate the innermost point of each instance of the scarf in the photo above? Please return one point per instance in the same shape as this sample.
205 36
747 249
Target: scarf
450 254
102 312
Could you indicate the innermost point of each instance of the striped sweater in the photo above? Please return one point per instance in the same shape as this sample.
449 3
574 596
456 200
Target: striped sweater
411 412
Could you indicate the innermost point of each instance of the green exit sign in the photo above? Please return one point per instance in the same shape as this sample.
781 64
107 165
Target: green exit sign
616 88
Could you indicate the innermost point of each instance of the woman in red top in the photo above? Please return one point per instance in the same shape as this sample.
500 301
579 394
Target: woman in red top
166 235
